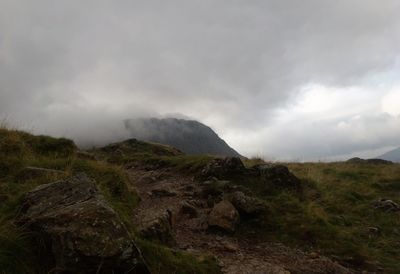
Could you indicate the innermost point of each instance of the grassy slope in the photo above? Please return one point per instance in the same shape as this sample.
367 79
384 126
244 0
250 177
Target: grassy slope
346 193
333 213
19 150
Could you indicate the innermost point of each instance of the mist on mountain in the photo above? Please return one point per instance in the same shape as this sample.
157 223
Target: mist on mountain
190 136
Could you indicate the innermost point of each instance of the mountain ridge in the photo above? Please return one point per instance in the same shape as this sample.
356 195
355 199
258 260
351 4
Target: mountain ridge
189 136
392 155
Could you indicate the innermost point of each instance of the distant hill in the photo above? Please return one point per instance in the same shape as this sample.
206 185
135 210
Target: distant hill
189 136
393 155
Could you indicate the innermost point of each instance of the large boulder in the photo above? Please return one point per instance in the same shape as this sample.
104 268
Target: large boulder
224 216
223 167
83 234
277 175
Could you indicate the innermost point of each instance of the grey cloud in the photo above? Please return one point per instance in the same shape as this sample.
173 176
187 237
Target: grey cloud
64 64
323 139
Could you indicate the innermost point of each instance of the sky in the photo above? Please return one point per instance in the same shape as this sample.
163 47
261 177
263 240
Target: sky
284 80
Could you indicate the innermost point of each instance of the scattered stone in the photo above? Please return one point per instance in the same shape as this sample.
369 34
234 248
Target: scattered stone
313 255
224 216
247 206
188 208
373 232
158 227
230 247
82 232
278 175
386 205
224 167
163 192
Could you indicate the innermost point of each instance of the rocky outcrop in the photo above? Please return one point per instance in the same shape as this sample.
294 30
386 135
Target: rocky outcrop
246 205
278 176
223 167
357 160
224 216
82 232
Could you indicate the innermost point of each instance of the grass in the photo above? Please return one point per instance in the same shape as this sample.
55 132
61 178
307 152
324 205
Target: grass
163 260
152 155
333 213
348 190
18 150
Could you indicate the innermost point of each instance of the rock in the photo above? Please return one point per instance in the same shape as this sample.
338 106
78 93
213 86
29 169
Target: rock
157 227
278 175
373 231
247 206
357 160
224 167
379 162
82 232
224 216
187 208
313 255
386 205
230 247
163 192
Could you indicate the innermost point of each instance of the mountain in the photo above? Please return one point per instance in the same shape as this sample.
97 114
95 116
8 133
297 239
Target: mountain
191 137
393 155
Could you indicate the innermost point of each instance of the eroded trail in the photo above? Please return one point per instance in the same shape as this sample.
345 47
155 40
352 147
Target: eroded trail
174 210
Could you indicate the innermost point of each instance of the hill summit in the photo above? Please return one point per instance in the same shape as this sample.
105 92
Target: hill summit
192 137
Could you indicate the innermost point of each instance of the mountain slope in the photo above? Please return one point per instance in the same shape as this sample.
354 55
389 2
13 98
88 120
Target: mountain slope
190 136
393 155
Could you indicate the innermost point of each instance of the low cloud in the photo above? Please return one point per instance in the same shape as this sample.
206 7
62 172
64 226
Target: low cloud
78 69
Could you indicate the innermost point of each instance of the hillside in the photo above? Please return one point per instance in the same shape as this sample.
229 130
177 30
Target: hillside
80 232
189 136
151 208
393 155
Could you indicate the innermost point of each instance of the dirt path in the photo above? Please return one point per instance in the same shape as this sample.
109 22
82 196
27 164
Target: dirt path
164 193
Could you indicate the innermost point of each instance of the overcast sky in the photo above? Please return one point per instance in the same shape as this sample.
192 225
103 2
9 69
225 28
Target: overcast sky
301 80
